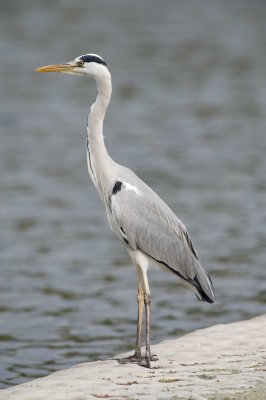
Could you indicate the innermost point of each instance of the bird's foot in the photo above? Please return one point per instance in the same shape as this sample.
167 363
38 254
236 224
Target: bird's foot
138 359
154 358
146 361
131 359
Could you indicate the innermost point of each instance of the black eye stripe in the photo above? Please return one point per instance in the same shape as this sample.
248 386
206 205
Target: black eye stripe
90 58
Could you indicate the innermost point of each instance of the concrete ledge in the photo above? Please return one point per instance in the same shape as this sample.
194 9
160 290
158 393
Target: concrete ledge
221 362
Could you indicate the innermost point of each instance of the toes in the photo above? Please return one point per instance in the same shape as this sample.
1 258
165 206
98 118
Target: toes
145 363
142 361
128 360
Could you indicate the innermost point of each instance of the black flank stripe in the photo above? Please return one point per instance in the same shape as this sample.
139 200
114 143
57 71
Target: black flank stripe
194 282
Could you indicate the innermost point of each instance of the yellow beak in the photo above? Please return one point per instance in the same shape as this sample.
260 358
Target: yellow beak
56 68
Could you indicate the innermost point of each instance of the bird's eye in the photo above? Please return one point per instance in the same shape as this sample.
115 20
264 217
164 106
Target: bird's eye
80 63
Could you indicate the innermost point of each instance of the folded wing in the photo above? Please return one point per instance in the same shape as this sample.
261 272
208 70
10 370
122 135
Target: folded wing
144 222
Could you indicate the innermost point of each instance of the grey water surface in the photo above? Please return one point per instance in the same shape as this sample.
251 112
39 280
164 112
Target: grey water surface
188 114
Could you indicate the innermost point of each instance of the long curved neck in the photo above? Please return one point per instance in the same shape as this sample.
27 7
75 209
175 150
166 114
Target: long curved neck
97 157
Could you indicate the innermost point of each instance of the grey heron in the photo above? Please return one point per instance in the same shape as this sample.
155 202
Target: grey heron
152 234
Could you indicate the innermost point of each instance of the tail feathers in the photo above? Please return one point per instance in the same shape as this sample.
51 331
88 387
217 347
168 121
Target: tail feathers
201 284
204 287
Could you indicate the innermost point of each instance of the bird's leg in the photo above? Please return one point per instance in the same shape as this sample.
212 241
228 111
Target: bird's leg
136 357
140 299
144 298
147 301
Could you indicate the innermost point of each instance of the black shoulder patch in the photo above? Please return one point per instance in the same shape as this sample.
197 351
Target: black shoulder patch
92 58
117 187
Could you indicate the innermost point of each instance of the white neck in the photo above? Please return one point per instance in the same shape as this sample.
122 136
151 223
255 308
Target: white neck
97 157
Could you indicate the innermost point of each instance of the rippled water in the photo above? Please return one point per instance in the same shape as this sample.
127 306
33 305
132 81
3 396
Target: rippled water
187 114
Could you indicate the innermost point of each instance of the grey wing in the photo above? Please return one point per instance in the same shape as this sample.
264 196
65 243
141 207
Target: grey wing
145 222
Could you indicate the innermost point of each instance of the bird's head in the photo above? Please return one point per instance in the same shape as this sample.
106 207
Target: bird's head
88 64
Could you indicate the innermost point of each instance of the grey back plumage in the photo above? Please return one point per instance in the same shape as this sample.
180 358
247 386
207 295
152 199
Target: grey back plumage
144 222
